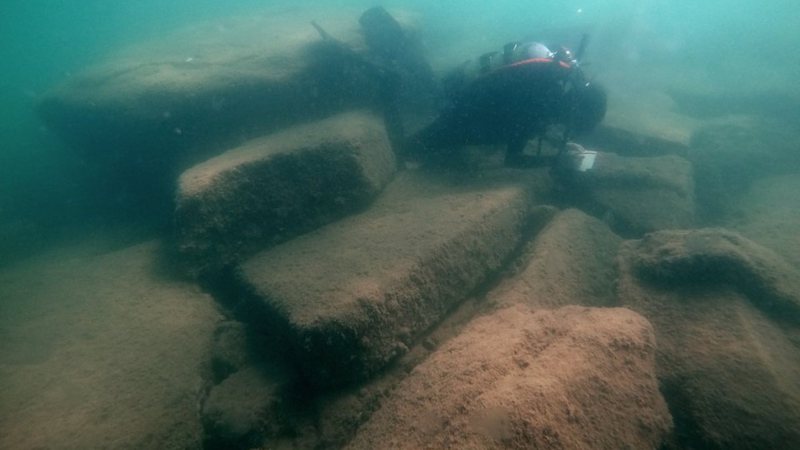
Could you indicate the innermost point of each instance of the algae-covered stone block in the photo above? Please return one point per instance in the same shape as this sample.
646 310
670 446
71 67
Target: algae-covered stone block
147 112
212 82
276 187
351 297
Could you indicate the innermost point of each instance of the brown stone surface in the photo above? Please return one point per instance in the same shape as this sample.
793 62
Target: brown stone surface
352 296
570 262
570 378
140 117
242 409
715 255
273 188
637 195
221 78
728 368
100 350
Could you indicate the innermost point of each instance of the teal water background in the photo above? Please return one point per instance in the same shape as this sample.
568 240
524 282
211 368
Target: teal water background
740 44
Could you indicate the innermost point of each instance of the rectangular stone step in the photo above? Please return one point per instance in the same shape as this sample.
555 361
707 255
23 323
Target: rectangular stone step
540 379
351 297
278 186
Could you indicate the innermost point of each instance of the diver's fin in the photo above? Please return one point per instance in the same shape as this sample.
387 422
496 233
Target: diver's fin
324 34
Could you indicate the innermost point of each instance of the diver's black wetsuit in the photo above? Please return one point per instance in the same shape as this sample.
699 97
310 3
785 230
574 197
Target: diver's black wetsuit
510 105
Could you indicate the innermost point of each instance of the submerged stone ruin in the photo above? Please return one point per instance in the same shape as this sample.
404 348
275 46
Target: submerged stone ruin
365 304
273 188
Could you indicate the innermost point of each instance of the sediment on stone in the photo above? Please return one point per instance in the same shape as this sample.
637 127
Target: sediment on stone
635 195
152 110
271 189
728 365
570 262
103 351
351 297
520 378
715 256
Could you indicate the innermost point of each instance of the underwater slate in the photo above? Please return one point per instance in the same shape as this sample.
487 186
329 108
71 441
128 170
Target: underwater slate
352 296
276 187
520 378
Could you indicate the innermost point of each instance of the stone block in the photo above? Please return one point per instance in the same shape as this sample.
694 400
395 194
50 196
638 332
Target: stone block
519 378
727 360
570 262
353 296
636 195
273 188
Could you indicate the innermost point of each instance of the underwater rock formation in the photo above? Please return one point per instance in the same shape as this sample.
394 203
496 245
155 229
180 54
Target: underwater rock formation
625 142
725 317
728 157
769 213
719 256
571 262
638 195
140 118
352 296
519 378
241 410
105 352
276 187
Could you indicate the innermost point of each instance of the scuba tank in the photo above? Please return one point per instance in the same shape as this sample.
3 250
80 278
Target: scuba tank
511 54
454 81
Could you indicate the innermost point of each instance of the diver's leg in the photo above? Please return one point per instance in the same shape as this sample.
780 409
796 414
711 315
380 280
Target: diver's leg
514 149
389 104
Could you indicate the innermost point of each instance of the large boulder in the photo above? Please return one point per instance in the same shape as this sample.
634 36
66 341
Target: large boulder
273 188
728 360
153 109
100 350
720 256
571 262
570 378
351 297
637 195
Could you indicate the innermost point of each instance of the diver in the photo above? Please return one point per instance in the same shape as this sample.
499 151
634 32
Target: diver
524 92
